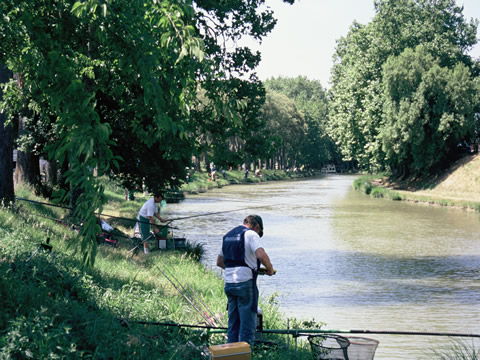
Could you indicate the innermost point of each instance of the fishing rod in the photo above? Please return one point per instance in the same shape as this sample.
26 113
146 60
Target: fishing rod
206 311
205 316
176 325
193 295
143 222
304 332
98 214
225 212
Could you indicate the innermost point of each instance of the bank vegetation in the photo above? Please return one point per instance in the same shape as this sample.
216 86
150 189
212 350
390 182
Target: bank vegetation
55 307
458 186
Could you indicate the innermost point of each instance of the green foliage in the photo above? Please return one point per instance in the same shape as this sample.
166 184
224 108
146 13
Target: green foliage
428 110
363 184
286 126
459 350
378 192
55 307
315 149
363 119
113 88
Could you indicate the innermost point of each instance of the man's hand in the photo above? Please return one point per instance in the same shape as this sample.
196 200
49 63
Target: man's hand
265 260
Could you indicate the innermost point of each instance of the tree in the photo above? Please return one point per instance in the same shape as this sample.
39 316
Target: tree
126 75
428 110
286 126
356 106
310 98
6 149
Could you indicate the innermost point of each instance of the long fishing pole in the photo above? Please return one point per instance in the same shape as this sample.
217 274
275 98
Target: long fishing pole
174 219
207 318
178 325
304 332
207 313
225 212
193 295
180 291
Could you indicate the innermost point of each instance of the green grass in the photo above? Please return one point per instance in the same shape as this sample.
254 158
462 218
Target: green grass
54 307
368 185
201 182
459 350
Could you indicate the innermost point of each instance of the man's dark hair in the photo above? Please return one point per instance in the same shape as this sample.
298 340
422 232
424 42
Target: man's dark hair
254 220
158 194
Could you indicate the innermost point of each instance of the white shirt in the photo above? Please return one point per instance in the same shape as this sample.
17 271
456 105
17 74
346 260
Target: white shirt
242 273
149 208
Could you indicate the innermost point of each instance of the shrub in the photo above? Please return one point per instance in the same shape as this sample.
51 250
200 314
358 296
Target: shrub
395 196
378 192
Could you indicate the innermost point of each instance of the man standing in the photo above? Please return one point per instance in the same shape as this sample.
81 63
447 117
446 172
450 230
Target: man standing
240 257
146 217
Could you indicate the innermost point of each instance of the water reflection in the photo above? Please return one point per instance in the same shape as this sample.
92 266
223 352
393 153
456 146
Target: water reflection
352 261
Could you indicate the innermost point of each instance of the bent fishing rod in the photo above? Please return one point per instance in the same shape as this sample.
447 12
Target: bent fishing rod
169 221
188 296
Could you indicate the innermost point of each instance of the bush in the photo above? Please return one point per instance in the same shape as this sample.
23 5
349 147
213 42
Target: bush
378 192
395 196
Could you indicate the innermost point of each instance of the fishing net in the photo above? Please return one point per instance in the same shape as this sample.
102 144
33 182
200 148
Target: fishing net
336 347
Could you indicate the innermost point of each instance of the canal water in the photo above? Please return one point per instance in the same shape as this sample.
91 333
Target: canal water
354 262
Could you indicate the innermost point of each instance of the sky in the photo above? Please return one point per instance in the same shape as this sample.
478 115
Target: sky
304 39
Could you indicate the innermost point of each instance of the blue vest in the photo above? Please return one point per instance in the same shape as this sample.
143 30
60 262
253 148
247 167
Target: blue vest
233 247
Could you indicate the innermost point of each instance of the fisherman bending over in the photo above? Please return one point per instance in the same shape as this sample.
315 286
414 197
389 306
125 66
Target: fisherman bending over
146 217
240 257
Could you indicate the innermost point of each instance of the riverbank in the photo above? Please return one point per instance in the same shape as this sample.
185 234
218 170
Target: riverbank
54 307
201 182
458 186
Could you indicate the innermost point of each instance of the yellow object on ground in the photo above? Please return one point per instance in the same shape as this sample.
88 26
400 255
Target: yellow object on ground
232 351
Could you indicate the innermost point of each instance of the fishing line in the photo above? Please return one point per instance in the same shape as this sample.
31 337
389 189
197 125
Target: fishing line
193 295
210 200
208 319
174 219
176 325
192 298
225 212
97 214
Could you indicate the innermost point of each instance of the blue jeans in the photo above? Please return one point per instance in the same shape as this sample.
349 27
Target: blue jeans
241 316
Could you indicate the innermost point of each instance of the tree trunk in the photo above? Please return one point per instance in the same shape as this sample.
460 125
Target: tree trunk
51 173
28 164
7 193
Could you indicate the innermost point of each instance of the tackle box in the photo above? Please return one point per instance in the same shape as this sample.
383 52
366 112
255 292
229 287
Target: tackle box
232 351
172 243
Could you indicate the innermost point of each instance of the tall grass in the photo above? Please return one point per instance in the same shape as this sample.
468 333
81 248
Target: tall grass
54 307
459 350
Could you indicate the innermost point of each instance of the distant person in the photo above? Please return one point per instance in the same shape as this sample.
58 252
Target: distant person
214 171
246 173
146 218
224 173
240 257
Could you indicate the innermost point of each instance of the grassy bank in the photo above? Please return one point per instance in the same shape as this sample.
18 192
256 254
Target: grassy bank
458 186
201 181
54 307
